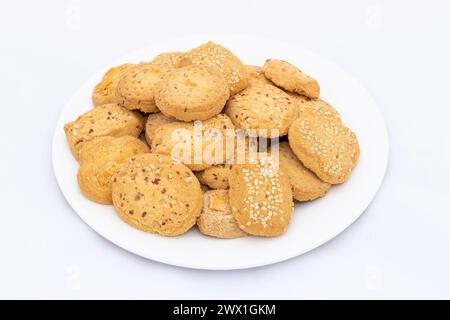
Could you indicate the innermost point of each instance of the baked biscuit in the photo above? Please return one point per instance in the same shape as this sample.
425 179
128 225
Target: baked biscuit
290 78
216 219
104 91
193 92
215 177
153 194
325 146
261 197
305 184
154 121
230 66
137 88
315 105
106 120
262 106
177 140
256 75
99 161
170 59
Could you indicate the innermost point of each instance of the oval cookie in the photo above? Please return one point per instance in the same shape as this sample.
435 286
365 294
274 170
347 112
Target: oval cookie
215 177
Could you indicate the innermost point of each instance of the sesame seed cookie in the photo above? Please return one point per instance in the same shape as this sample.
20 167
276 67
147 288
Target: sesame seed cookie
315 105
305 184
261 197
290 78
216 219
153 194
193 92
256 74
170 59
262 106
215 177
106 120
154 121
99 161
137 88
325 146
104 91
182 147
230 66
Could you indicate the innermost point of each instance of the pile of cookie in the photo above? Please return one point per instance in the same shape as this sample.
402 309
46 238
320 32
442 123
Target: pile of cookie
125 144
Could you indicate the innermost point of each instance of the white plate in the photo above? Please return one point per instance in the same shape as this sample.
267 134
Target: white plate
313 223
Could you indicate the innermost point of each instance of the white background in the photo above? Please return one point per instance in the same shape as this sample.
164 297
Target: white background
398 49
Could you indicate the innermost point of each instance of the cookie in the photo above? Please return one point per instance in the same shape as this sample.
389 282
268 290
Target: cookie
305 184
256 75
170 59
194 92
215 177
229 65
325 146
153 194
154 121
99 161
106 120
216 219
261 197
104 91
177 140
290 78
315 105
137 88
264 108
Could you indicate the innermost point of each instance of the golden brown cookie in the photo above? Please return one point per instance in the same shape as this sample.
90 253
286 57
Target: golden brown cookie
177 140
137 88
230 66
290 78
99 161
216 219
262 107
305 184
315 105
104 91
215 177
261 197
256 75
154 121
325 146
106 120
194 92
170 59
155 195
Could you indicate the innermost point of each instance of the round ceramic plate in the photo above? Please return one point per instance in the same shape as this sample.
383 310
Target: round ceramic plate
313 223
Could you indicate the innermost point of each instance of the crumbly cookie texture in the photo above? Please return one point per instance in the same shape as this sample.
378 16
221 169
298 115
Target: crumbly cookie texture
169 59
104 91
194 92
264 108
290 78
315 105
99 161
216 219
106 120
261 197
137 88
305 184
229 65
177 140
325 146
154 121
153 194
215 177
256 75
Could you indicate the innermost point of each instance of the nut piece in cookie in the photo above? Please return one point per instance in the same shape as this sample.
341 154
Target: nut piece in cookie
325 146
215 177
153 194
154 121
104 91
193 92
137 88
169 59
261 197
99 161
216 219
262 107
290 78
229 65
198 145
106 120
305 184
